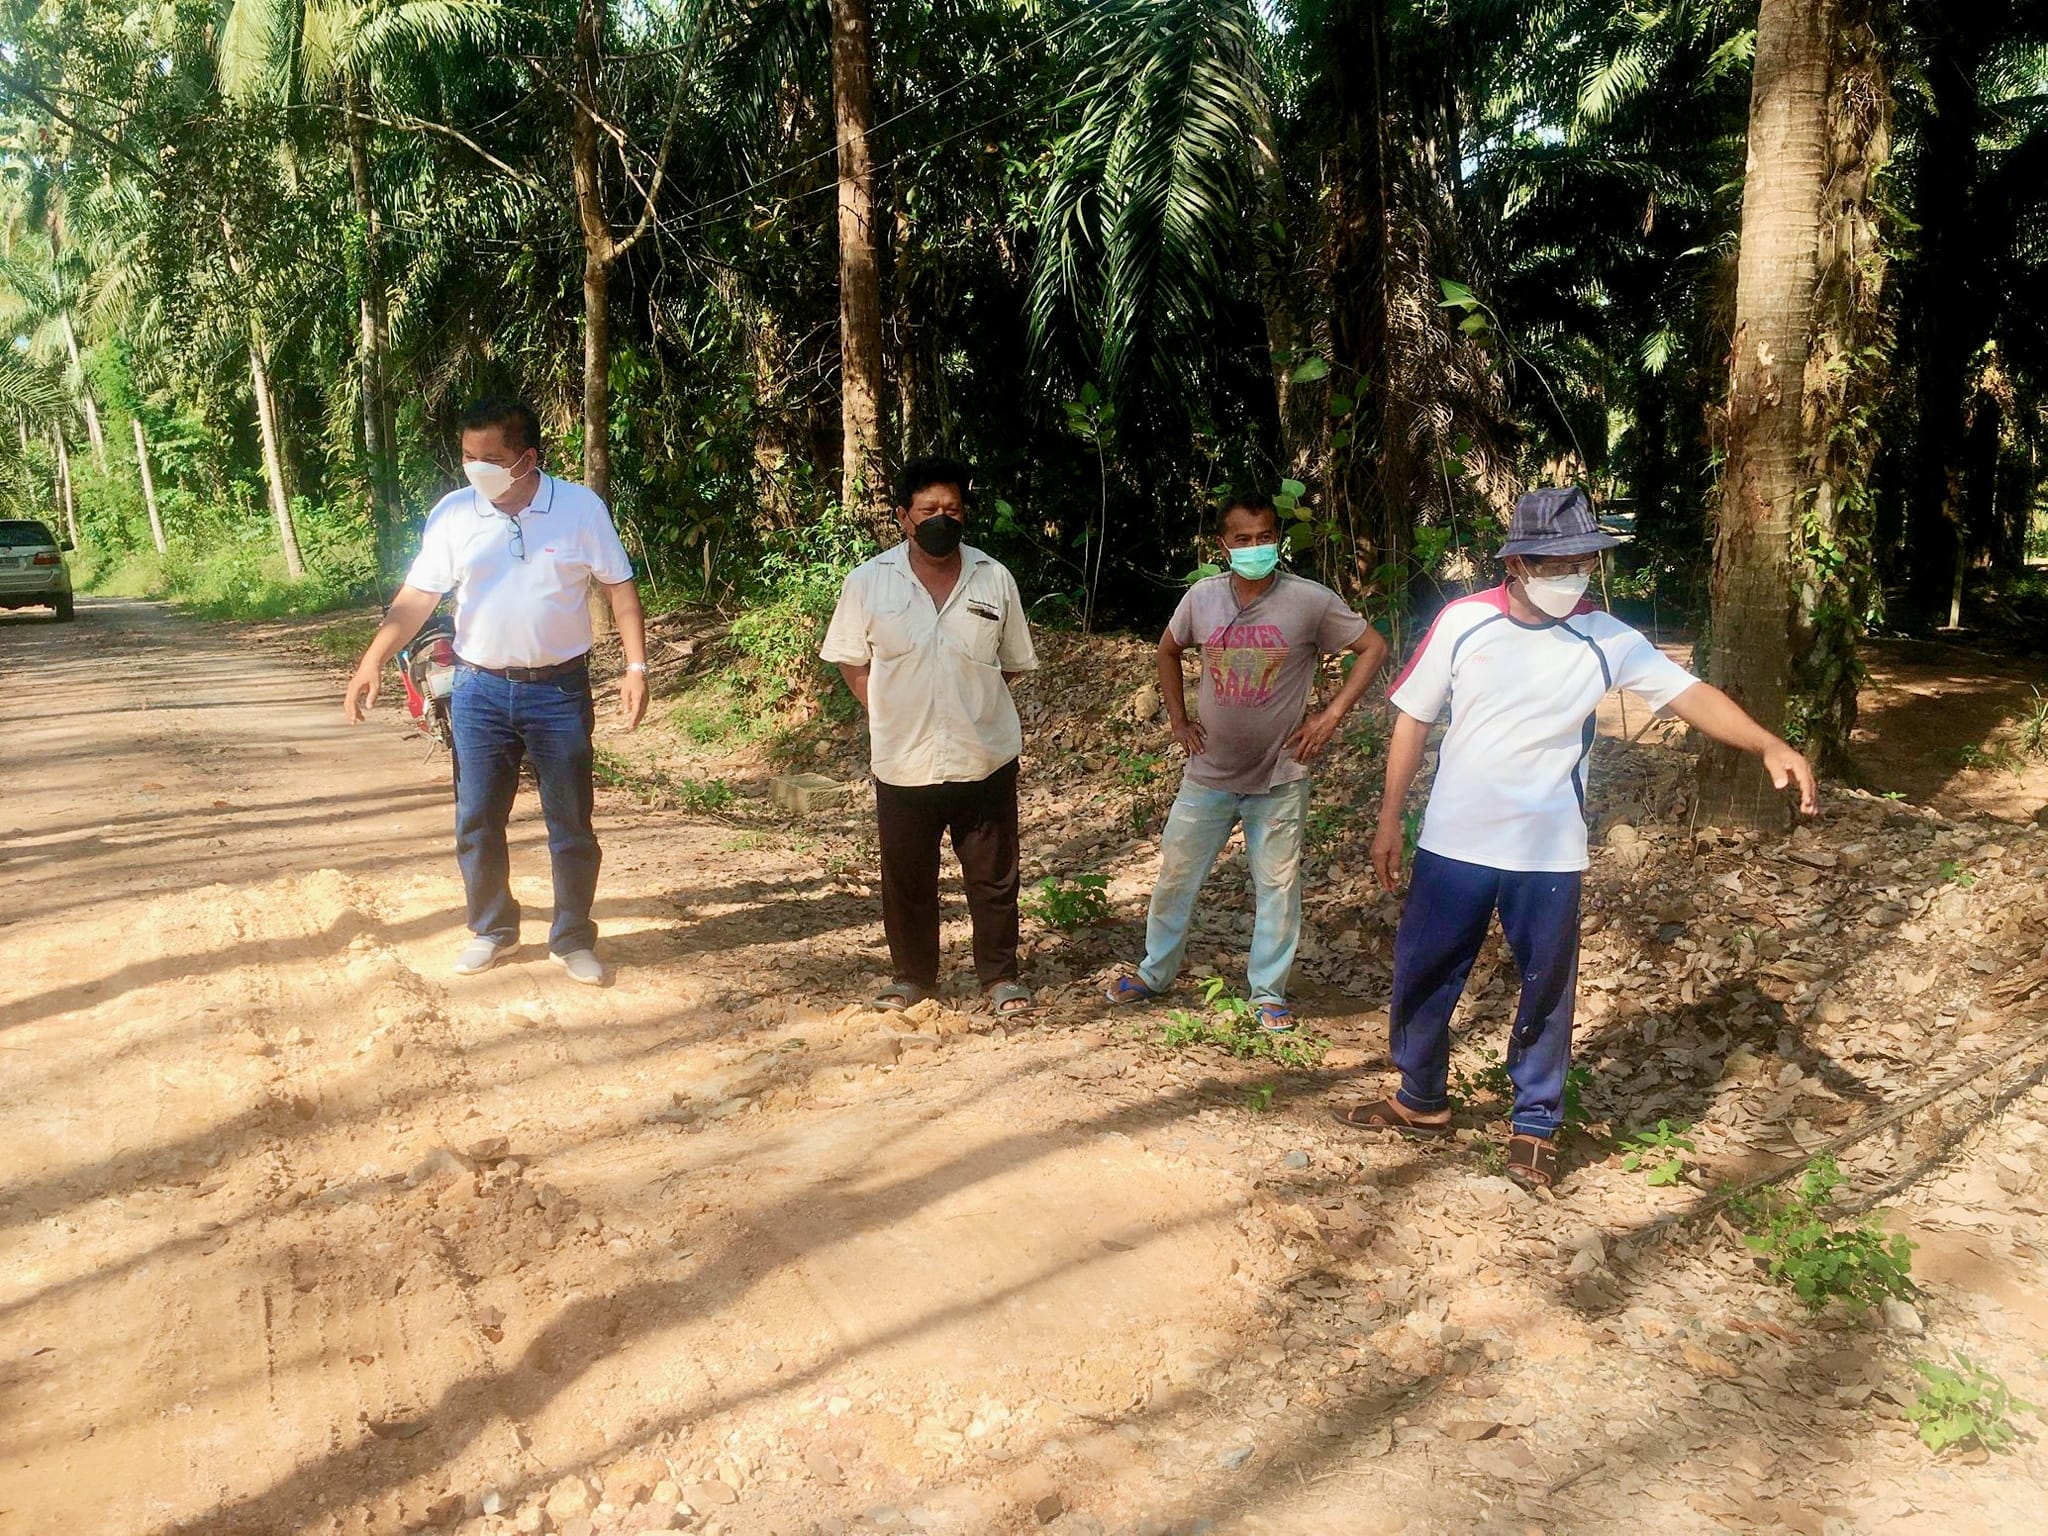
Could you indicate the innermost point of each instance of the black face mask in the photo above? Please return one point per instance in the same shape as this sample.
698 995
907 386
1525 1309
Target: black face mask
939 536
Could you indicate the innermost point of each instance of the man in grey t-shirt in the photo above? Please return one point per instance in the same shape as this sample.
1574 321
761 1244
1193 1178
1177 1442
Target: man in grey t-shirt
1262 633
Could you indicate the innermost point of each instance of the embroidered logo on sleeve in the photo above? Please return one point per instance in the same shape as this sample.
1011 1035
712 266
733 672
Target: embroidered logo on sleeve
1244 662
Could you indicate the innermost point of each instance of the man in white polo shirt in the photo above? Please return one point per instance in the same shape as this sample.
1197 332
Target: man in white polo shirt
520 550
928 635
1521 668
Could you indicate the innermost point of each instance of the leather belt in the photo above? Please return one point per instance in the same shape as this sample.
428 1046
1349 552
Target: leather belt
531 674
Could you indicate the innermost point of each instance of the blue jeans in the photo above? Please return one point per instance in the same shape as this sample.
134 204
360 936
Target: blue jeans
1449 906
498 723
1196 829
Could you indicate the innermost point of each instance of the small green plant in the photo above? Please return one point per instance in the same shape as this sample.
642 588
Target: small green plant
1574 1115
1324 826
704 794
1069 904
1232 1025
1490 1081
1965 1405
2031 729
1492 1157
1658 1152
1955 874
1259 1098
1801 1247
1411 836
1135 770
1999 757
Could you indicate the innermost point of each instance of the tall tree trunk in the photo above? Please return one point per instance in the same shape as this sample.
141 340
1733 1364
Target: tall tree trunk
1765 481
273 461
1944 286
92 412
600 250
860 284
1844 381
1361 475
373 331
598 253
156 522
64 488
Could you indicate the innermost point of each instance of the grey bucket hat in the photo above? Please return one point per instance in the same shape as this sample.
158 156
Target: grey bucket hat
1557 520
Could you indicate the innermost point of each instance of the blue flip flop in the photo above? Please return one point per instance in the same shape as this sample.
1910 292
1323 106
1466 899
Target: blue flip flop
1129 989
1276 1018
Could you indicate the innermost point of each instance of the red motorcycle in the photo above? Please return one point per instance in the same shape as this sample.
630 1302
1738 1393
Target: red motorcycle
427 668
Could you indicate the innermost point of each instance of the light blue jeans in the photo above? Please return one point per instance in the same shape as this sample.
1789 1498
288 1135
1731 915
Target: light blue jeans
1196 829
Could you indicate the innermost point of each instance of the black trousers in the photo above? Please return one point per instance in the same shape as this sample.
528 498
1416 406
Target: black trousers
981 818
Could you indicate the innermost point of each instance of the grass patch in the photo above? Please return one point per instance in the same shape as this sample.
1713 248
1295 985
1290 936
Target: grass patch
1231 1025
656 787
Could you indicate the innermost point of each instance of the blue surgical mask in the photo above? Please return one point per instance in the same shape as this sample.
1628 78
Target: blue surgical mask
1255 562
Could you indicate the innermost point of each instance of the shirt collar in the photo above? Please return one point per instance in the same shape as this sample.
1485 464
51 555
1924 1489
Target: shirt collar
543 499
898 555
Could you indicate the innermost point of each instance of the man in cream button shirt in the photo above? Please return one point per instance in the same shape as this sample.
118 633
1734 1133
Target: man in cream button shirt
928 635
520 551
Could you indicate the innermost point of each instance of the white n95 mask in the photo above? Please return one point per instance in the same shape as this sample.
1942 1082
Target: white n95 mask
490 480
1556 595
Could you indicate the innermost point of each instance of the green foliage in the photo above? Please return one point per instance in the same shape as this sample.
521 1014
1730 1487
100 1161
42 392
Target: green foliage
1230 1024
1489 1083
1657 1153
1259 1098
795 583
1136 769
1954 874
1820 1259
656 786
1068 904
1964 1405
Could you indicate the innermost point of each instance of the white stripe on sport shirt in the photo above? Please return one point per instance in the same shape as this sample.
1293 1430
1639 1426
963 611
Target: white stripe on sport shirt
1521 700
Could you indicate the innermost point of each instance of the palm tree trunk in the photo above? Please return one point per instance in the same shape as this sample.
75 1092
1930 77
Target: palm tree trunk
373 326
1845 378
1765 482
65 490
273 461
156 522
1945 279
1360 477
85 400
860 286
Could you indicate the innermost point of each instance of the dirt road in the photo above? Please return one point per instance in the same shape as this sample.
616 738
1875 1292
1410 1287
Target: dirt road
304 1234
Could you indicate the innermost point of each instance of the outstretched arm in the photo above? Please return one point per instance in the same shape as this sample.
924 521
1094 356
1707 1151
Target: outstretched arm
1706 708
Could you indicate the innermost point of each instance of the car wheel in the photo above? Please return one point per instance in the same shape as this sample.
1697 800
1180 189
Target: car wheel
63 606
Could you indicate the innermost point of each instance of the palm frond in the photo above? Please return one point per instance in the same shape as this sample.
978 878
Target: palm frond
1151 192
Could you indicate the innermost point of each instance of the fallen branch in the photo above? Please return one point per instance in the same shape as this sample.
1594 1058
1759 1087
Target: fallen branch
1713 1204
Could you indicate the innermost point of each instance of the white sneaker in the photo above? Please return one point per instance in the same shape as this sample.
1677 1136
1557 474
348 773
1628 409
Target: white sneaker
582 965
480 954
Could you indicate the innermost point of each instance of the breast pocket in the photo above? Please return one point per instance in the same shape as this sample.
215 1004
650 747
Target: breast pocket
892 626
976 626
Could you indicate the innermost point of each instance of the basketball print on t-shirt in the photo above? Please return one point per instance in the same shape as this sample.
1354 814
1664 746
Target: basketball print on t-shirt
1244 663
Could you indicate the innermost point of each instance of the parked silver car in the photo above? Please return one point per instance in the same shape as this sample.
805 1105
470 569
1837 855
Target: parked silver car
32 569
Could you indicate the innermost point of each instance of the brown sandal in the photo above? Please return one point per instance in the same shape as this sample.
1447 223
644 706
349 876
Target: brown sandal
1388 1115
1532 1161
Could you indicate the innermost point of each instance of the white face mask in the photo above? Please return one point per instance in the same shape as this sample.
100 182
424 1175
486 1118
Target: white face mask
1555 595
491 481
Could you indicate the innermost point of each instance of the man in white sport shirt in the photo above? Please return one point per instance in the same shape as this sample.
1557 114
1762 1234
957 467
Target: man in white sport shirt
520 550
1521 668
929 635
